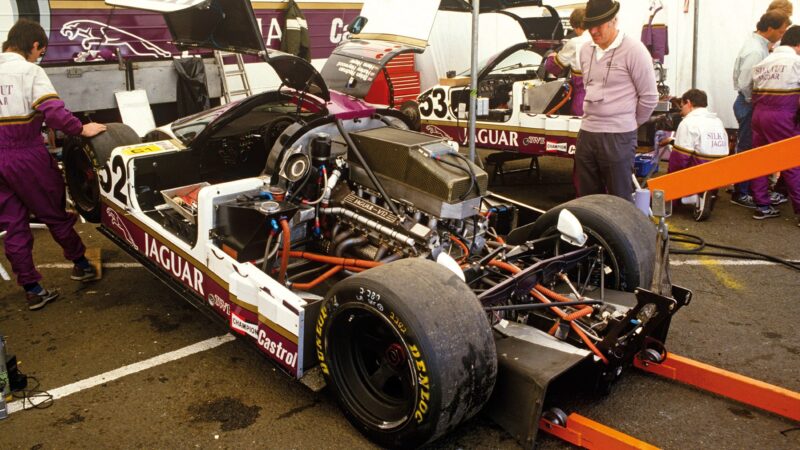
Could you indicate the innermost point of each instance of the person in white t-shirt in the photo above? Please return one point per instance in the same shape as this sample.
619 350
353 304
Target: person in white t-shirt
567 58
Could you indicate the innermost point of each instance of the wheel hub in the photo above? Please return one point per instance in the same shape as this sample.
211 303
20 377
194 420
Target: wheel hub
395 355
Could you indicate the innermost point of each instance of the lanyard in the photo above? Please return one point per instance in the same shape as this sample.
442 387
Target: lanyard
608 71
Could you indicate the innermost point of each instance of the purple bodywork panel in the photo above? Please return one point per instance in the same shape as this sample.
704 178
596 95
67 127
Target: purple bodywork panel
94 35
345 107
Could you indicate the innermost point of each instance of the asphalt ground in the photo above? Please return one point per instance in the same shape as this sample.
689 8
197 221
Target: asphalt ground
743 318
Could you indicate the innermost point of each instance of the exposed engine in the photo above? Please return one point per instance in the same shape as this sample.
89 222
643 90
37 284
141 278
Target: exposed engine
431 194
401 194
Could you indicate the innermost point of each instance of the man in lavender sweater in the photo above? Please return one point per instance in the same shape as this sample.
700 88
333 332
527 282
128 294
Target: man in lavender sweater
620 95
30 181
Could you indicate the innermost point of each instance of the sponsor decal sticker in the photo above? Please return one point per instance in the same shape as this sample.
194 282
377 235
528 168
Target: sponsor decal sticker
556 146
139 149
243 326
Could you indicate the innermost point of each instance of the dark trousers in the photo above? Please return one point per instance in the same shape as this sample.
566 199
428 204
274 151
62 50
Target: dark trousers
604 163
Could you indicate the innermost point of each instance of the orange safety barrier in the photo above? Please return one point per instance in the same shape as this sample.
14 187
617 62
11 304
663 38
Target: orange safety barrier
586 433
732 385
745 166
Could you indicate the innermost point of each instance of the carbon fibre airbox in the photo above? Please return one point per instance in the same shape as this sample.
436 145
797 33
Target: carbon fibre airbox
404 162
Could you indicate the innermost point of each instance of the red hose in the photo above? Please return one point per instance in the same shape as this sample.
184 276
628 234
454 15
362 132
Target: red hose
361 263
463 248
287 245
566 317
329 273
506 266
563 101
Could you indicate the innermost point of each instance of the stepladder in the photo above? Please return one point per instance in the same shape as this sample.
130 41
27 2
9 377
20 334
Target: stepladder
235 84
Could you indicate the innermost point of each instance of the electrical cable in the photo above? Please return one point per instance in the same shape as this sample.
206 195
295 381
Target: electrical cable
471 173
29 396
742 253
299 189
370 174
324 187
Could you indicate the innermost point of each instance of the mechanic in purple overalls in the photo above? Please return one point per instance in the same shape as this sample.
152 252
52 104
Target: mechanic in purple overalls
770 28
30 180
776 98
567 58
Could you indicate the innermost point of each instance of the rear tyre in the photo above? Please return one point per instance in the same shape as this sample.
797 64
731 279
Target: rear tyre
408 351
84 158
627 236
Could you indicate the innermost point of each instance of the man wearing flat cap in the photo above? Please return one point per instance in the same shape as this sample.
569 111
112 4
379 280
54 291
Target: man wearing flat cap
620 95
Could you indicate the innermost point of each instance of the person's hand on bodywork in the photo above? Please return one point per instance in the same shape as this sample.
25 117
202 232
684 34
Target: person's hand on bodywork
92 129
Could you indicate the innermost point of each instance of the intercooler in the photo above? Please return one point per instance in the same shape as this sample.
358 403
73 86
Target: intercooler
404 163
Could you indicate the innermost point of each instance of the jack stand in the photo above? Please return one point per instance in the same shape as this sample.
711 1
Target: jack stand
94 255
586 433
737 387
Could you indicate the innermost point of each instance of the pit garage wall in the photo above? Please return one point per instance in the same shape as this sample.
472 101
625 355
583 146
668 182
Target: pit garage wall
78 82
724 26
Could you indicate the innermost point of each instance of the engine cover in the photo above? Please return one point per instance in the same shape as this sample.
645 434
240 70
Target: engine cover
403 162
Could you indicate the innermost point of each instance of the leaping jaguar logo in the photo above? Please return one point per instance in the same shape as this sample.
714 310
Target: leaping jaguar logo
436 131
116 220
97 34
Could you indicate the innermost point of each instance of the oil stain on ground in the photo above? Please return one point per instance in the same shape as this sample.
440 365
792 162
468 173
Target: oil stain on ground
71 420
231 413
161 324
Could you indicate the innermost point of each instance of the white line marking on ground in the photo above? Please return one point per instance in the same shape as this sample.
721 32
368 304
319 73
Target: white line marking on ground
105 265
724 262
91 382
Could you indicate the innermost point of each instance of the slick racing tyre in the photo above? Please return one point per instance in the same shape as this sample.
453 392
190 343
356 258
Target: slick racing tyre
408 351
84 158
627 237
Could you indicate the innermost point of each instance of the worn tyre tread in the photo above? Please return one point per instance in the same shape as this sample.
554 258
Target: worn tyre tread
447 322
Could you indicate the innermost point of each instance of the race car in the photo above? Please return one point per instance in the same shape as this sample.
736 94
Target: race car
520 108
340 243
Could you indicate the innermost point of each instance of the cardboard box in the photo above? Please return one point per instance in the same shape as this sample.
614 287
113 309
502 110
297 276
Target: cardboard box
455 81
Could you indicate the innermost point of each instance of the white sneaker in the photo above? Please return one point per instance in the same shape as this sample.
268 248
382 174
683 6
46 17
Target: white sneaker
690 200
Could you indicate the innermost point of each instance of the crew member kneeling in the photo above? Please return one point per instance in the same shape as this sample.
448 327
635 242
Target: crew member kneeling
700 137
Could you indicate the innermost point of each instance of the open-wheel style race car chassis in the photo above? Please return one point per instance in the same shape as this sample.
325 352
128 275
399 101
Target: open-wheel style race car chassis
341 243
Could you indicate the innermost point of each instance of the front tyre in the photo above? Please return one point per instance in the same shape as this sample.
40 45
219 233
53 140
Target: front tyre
408 351
84 158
